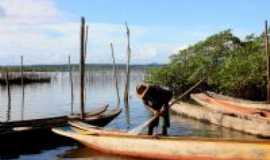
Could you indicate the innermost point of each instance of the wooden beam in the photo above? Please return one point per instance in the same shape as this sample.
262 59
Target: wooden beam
126 94
8 95
115 76
22 84
85 55
71 87
82 66
86 42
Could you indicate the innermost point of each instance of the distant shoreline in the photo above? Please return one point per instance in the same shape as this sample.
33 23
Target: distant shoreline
75 67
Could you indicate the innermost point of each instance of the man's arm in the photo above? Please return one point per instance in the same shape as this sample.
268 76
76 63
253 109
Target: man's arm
163 109
149 104
153 111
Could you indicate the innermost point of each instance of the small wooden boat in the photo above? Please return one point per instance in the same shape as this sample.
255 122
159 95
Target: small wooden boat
97 118
221 106
98 111
103 118
241 102
169 148
244 124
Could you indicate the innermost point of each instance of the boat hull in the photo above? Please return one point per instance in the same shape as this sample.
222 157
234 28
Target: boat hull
221 106
19 128
248 125
103 119
240 102
170 148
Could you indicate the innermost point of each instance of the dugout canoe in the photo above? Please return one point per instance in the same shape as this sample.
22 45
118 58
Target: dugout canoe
241 102
244 124
99 117
96 112
103 118
221 106
169 148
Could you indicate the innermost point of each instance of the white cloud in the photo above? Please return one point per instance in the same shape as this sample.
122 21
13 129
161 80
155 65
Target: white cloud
28 11
37 30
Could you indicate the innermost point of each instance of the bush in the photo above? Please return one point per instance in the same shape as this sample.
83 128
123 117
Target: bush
232 66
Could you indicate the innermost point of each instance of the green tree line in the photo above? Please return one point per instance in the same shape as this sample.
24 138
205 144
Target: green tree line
232 66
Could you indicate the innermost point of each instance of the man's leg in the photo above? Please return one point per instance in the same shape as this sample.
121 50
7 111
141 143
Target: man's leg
152 126
150 130
165 120
164 126
164 131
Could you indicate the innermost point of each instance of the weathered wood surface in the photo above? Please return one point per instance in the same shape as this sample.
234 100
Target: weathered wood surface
82 67
244 124
71 87
8 95
22 85
115 76
223 106
169 148
126 91
241 102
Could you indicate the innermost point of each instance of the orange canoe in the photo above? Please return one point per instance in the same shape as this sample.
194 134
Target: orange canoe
240 102
226 107
169 148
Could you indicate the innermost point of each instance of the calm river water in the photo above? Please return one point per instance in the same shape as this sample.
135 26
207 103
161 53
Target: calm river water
53 99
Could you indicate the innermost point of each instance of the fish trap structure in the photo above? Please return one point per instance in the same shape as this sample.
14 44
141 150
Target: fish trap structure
28 78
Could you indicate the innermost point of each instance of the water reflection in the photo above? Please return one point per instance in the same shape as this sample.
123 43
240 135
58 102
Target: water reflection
53 99
22 105
9 97
8 110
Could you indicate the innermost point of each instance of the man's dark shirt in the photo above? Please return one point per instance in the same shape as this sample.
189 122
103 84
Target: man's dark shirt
156 97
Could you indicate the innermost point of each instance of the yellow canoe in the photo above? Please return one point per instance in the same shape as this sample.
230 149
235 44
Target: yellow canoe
169 148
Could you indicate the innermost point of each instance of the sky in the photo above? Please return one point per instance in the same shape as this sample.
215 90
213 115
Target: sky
47 31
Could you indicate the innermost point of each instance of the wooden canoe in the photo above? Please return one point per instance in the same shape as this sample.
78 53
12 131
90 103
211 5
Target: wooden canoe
103 118
96 112
16 127
169 148
221 106
244 124
241 102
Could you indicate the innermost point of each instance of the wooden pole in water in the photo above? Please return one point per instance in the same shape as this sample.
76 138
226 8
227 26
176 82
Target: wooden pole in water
268 61
127 67
115 76
85 42
71 86
22 84
9 96
85 54
82 66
